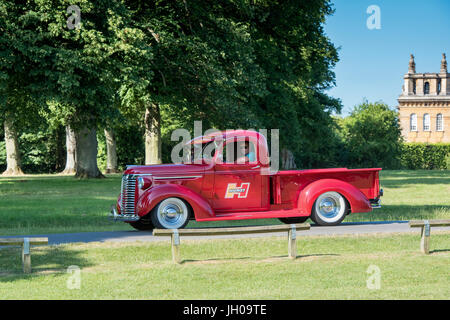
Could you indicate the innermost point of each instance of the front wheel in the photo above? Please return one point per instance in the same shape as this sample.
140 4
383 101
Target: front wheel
329 209
171 213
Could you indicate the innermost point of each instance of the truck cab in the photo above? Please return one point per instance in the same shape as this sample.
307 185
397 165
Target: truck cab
227 176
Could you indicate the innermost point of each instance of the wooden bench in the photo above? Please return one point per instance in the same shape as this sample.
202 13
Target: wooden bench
25 243
175 235
426 231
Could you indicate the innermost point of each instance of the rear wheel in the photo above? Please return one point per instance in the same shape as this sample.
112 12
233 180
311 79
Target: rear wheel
171 213
293 220
329 209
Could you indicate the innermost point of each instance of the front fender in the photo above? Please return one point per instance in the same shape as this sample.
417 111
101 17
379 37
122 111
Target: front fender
151 197
357 200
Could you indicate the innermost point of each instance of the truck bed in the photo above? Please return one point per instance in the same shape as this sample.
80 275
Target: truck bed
286 185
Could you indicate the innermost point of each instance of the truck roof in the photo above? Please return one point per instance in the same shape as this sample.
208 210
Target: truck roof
238 135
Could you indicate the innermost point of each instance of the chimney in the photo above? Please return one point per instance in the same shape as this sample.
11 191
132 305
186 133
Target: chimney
443 64
412 65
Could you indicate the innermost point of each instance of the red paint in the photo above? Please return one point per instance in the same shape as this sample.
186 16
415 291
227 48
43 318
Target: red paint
234 191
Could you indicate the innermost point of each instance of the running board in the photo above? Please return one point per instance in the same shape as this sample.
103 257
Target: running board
255 215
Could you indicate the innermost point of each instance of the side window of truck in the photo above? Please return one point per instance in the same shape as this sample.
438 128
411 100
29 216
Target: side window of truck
239 152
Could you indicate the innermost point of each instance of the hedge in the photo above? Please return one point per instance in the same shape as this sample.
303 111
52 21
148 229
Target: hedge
425 156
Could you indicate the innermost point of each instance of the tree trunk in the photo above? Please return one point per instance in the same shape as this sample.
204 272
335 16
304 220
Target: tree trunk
71 146
12 149
86 154
287 160
152 135
60 151
111 151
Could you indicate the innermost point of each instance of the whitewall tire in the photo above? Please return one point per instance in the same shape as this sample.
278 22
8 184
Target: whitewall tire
171 213
329 209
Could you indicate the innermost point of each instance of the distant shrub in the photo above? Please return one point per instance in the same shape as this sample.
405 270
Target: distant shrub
371 137
425 156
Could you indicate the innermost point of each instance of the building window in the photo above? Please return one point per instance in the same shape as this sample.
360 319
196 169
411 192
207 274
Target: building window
414 86
426 122
439 86
413 122
439 122
426 88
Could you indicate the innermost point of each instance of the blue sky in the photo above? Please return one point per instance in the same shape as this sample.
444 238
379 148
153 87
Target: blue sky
372 62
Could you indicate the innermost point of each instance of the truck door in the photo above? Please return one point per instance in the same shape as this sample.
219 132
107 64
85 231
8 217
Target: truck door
237 181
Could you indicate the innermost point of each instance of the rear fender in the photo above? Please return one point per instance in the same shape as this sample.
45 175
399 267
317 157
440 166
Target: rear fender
357 200
151 197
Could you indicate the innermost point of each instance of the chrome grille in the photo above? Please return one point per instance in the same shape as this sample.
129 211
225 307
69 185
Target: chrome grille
128 194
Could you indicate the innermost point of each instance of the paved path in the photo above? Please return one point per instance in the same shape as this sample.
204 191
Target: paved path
344 228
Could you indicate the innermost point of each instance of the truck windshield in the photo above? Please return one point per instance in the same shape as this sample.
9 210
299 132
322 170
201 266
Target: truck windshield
200 152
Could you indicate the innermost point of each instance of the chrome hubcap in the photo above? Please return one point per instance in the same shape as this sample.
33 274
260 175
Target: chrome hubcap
172 213
330 206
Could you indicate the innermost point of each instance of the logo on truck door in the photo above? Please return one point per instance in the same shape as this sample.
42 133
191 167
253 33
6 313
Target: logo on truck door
233 189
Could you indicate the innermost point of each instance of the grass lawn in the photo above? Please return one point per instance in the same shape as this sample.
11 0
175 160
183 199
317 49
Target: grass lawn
38 204
256 268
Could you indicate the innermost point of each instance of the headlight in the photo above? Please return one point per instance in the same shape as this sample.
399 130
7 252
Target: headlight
144 183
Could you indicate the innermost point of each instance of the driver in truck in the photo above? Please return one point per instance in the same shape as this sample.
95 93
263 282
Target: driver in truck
244 149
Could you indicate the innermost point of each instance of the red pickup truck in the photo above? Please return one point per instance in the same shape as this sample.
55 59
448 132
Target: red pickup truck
232 181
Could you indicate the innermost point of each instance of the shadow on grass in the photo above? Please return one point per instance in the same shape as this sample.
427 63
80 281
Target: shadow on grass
44 260
440 250
258 259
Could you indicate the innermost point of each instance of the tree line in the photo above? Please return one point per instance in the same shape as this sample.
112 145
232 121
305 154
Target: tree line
129 72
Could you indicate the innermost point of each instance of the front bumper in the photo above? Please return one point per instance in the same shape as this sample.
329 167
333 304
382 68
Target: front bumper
123 217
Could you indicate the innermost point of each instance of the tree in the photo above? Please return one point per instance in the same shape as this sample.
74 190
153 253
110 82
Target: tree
12 148
372 136
12 96
71 147
298 58
245 64
203 70
231 64
76 69
111 151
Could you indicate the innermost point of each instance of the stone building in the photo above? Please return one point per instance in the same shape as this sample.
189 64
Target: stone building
424 105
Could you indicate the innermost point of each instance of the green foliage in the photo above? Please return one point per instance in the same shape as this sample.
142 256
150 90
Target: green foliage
425 156
101 151
298 58
42 149
230 64
129 144
74 70
371 136
242 64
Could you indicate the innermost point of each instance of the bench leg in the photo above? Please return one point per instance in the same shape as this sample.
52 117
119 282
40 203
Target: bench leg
26 256
292 243
175 242
425 240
